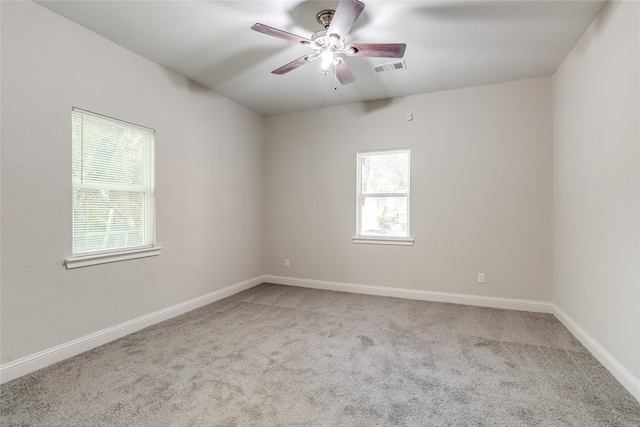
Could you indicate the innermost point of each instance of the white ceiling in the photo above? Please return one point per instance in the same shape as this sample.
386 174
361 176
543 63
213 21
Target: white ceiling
450 44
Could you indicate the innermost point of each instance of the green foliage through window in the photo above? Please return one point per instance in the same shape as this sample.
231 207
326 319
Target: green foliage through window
383 193
113 184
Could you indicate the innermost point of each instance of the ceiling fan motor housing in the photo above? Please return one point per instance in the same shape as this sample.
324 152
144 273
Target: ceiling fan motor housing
322 42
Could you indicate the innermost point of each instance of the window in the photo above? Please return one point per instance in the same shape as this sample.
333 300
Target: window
383 197
113 190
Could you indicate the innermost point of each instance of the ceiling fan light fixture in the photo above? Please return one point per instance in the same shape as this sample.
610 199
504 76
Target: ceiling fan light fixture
328 59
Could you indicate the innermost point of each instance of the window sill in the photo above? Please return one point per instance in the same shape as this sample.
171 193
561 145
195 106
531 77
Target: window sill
94 259
398 241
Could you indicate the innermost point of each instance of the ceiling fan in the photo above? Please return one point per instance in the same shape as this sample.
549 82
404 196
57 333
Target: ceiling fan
329 43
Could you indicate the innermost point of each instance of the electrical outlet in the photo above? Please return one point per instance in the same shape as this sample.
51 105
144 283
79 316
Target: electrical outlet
480 277
286 262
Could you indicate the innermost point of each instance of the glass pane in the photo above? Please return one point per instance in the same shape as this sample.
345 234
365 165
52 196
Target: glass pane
108 153
385 172
104 220
384 216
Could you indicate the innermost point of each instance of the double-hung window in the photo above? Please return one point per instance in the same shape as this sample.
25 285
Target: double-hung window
383 197
113 190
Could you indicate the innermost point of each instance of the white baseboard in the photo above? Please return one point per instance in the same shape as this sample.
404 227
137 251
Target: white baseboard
42 359
626 378
32 363
493 302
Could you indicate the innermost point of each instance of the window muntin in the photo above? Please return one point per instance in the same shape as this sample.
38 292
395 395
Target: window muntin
113 184
383 194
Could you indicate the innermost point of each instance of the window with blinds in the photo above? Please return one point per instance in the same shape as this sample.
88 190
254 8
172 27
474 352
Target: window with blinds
113 184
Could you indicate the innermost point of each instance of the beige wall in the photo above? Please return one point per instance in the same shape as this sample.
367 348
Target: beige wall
597 183
481 191
209 183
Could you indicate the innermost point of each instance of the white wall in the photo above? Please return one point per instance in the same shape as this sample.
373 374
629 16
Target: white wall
481 191
209 155
596 104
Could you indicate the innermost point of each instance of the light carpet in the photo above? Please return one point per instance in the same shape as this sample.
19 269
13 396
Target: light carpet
285 356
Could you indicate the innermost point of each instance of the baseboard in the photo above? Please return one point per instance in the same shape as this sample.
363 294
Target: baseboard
482 301
42 359
626 378
32 363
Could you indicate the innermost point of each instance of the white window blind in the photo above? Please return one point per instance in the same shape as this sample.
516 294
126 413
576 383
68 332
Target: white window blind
113 184
383 194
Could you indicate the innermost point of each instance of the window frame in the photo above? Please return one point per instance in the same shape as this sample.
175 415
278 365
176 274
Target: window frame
148 189
405 240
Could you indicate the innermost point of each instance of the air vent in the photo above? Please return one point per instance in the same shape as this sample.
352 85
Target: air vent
391 66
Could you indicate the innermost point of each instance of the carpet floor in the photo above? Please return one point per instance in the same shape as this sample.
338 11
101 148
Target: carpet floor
285 356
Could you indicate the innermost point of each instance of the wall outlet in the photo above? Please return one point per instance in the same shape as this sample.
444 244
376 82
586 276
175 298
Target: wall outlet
480 277
286 262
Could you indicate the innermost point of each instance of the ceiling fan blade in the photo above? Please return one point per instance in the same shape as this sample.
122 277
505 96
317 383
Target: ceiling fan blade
379 50
343 73
346 14
292 65
270 31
